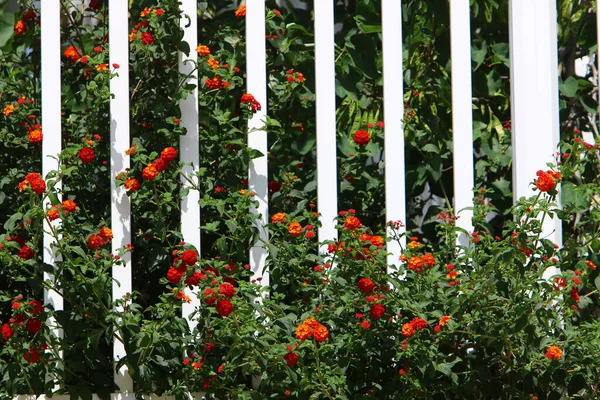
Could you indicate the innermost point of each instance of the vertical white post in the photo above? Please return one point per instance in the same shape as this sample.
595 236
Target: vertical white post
462 114
393 110
534 97
119 142
257 134
326 126
189 144
51 125
598 51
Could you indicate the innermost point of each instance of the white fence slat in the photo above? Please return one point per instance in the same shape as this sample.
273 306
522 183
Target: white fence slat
51 126
393 111
256 80
462 114
326 123
534 97
119 139
598 51
189 144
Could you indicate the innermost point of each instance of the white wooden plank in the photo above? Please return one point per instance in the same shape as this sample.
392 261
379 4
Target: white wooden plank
462 115
534 97
51 145
393 110
189 146
257 135
598 41
119 139
326 124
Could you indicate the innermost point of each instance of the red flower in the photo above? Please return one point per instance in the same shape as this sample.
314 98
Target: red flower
190 257
252 103
34 325
224 307
376 311
365 324
169 154
418 323
31 356
366 285
195 279
227 290
87 155
174 275
26 253
37 307
209 296
361 137
291 359
7 331
147 38
94 241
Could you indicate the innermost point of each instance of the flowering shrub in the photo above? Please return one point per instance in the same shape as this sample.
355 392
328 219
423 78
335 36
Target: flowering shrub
447 321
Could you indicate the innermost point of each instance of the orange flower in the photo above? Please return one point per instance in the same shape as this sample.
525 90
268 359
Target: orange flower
132 184
444 320
150 172
546 181
295 229
590 264
35 136
102 67
20 27
214 64
429 260
413 244
303 332
352 222
72 54
9 109
106 234
240 12
320 333
279 217
203 50
313 323
68 206
408 329
415 264
145 12
52 213
554 353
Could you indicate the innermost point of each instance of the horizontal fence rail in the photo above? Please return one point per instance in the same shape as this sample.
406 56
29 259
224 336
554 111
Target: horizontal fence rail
535 123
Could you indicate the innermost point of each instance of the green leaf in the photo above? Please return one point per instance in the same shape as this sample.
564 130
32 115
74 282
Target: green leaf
10 224
569 87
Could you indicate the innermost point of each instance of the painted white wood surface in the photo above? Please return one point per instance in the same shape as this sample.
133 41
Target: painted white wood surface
51 145
393 112
258 174
534 98
462 115
119 143
325 116
189 146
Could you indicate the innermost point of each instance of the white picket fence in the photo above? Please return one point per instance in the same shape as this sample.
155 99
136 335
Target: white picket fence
535 120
